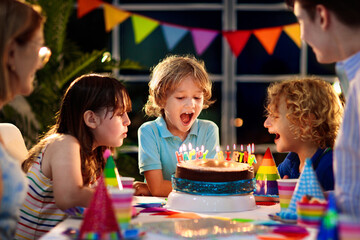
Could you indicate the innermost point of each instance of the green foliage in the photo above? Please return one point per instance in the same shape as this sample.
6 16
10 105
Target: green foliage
35 114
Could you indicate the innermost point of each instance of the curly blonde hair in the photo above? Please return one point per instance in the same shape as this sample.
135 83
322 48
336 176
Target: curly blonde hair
313 108
166 77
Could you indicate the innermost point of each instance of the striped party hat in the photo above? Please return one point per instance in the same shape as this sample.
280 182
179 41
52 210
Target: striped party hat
112 177
266 176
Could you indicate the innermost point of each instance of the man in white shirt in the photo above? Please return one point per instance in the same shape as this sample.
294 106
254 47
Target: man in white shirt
332 30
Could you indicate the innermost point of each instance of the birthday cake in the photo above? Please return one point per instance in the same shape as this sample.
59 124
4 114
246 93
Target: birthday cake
213 170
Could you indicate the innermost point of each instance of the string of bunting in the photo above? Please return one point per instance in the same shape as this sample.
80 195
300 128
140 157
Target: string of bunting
202 38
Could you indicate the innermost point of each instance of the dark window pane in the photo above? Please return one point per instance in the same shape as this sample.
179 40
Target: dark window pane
250 107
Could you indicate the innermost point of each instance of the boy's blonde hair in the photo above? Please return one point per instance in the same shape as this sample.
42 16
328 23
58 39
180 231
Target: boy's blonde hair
313 108
167 76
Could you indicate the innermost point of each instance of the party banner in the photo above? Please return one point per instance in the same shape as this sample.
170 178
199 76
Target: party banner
202 38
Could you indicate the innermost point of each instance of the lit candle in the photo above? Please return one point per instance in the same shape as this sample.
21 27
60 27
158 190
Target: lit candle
198 153
242 148
191 152
186 155
205 153
179 155
227 152
241 156
217 152
252 148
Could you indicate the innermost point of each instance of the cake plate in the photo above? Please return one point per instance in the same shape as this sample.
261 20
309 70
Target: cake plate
203 203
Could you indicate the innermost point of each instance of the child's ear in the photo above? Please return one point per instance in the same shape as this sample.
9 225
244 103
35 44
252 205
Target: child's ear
91 119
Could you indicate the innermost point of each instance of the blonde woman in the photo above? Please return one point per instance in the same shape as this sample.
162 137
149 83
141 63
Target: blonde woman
21 55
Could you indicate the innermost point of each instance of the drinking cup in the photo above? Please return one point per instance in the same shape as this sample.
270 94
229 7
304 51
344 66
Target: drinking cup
286 189
127 182
122 205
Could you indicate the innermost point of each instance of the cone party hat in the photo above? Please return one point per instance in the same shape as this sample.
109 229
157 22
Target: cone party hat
112 177
266 176
308 184
99 219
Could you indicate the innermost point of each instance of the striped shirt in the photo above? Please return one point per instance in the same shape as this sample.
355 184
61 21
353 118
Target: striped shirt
347 146
38 214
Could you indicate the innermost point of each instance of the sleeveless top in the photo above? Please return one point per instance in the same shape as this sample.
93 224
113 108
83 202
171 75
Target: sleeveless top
13 194
38 214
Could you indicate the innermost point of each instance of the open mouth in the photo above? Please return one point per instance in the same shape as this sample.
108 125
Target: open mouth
277 136
186 118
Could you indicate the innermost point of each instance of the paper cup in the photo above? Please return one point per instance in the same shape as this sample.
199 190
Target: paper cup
349 227
310 214
127 182
122 205
286 189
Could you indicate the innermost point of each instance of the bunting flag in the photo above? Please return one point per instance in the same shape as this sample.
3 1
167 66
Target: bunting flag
173 35
268 37
237 40
202 38
114 16
143 26
293 31
86 6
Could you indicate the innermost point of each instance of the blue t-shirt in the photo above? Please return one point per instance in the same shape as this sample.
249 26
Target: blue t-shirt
322 162
157 145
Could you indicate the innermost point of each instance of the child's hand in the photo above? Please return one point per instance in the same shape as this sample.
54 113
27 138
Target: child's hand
141 189
286 177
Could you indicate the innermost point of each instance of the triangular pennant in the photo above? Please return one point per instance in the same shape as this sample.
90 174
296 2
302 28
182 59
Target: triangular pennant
266 176
173 35
237 40
143 26
99 218
86 6
114 16
293 31
268 37
202 38
308 184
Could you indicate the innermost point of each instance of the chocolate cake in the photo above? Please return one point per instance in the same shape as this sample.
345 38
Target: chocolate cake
213 170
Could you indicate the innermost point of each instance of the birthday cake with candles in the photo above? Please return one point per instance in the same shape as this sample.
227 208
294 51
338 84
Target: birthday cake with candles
213 184
214 170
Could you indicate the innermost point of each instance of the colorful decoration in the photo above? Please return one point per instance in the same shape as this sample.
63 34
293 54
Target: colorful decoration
99 220
266 176
202 38
307 185
112 176
329 225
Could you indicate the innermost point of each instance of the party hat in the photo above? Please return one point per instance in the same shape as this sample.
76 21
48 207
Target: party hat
99 219
329 225
112 177
266 176
307 185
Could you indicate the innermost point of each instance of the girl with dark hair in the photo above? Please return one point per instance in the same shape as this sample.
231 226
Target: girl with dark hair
66 163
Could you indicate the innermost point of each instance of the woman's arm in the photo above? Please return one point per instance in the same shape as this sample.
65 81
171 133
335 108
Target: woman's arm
61 163
156 183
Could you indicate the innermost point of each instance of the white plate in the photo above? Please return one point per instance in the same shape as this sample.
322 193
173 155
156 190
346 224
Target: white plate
199 203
